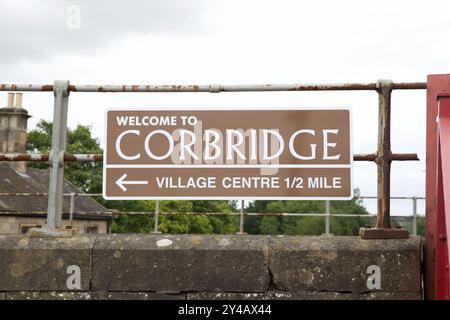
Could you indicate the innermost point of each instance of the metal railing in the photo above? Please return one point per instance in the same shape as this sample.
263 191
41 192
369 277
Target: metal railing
62 88
242 213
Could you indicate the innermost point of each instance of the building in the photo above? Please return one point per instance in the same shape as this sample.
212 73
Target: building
21 206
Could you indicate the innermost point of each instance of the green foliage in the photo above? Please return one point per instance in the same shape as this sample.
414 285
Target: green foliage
132 224
86 176
270 225
306 225
421 226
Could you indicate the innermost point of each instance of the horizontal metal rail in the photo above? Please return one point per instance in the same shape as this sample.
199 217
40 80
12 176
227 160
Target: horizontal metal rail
12 194
214 88
115 213
45 157
99 157
383 157
176 213
396 198
280 214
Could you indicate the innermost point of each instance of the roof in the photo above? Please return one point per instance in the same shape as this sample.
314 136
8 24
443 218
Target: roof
36 181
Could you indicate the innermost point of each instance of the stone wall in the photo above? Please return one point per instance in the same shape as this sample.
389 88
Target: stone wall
209 267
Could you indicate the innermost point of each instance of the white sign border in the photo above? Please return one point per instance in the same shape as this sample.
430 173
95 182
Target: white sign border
106 197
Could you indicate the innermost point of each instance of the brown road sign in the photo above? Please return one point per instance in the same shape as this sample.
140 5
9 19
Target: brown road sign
228 154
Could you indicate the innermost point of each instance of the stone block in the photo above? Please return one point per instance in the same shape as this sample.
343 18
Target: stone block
43 264
177 263
344 264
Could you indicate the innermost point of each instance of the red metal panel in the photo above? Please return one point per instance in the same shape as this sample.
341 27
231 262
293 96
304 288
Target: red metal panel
443 203
441 257
444 138
435 84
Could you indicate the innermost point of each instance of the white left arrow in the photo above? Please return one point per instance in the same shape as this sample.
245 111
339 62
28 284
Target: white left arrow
121 182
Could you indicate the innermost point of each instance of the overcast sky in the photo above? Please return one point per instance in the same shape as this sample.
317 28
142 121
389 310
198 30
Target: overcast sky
233 42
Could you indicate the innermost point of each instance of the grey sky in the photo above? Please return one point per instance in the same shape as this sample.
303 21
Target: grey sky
230 41
37 30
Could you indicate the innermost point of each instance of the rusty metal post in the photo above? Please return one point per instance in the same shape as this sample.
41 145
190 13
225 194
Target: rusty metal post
384 154
383 160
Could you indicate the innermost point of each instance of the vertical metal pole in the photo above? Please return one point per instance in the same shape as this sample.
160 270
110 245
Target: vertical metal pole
56 158
414 226
383 160
155 230
72 207
327 217
384 154
241 219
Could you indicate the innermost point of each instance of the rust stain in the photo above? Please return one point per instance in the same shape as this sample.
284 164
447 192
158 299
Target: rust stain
195 88
364 157
72 88
47 87
357 86
69 157
346 86
98 157
410 85
45 157
101 89
134 87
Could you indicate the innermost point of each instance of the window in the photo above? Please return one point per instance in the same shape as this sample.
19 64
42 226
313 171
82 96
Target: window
91 229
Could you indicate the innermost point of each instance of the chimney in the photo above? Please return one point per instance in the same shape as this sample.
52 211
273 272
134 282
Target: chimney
13 129
18 100
10 99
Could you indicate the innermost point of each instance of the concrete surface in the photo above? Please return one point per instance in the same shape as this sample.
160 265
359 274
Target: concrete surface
209 267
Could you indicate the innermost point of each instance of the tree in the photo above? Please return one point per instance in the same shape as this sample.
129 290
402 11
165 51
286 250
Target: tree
88 177
306 225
